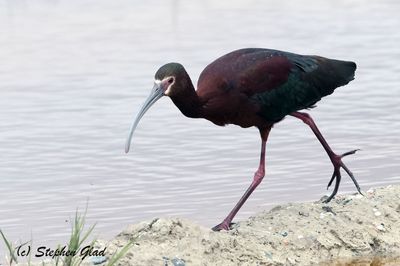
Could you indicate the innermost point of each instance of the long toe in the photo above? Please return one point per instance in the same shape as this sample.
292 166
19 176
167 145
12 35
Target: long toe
223 226
338 163
330 181
337 176
349 153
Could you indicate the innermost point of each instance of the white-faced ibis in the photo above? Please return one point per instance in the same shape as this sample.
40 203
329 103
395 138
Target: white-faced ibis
255 87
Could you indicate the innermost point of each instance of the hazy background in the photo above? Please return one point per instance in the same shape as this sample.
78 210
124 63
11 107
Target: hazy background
74 73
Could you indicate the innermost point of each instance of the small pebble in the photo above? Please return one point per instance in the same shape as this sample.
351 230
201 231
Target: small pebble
178 262
377 213
300 236
381 227
323 215
165 260
284 233
370 190
305 214
324 198
346 201
268 254
358 196
98 259
328 209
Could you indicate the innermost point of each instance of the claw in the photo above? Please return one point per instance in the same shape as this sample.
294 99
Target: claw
349 153
330 181
352 177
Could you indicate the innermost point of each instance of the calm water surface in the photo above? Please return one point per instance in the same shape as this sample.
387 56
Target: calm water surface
74 73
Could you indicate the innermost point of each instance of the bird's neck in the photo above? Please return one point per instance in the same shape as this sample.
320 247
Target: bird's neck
188 102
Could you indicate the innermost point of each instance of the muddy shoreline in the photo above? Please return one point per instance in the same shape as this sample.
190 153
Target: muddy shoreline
350 230
349 227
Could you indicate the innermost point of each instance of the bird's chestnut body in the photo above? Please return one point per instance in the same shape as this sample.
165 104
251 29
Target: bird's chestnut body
255 87
259 87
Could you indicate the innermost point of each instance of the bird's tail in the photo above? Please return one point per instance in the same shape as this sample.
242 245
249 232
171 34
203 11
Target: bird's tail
344 71
331 74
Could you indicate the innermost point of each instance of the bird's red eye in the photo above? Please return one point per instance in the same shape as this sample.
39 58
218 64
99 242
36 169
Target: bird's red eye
171 80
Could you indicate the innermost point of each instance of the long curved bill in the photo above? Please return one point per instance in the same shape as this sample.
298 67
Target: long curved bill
156 93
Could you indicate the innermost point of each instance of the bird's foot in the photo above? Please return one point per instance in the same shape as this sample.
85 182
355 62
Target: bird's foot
337 164
225 225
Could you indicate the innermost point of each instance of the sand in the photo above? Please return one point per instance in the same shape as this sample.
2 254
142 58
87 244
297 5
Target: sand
350 226
350 230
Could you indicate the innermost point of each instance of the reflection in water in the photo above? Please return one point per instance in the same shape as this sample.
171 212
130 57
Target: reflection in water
73 74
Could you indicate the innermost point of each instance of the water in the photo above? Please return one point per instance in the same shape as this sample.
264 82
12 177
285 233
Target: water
74 73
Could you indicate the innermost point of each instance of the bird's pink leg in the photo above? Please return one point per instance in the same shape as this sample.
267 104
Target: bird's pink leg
335 159
258 177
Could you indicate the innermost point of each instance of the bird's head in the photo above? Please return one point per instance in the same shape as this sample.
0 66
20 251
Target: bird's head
170 80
